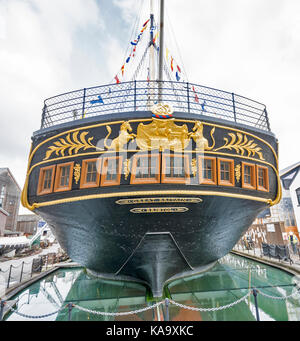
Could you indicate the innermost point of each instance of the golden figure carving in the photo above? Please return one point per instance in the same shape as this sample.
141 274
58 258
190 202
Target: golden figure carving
200 140
127 164
119 142
161 135
238 172
194 167
70 144
240 144
77 169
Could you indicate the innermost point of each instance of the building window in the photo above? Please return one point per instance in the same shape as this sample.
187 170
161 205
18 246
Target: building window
145 169
111 171
248 175
207 170
225 172
262 178
298 195
90 175
175 169
63 177
46 177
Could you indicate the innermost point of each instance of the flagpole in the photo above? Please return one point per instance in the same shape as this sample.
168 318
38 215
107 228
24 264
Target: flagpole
161 48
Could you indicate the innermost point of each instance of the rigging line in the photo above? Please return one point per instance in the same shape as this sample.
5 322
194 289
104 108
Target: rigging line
133 33
176 43
140 64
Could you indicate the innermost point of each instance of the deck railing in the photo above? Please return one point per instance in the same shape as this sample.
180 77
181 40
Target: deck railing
141 95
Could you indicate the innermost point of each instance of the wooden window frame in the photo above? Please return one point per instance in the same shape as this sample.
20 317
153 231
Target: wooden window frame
165 179
83 183
105 182
253 179
40 190
231 182
57 187
154 180
203 181
260 188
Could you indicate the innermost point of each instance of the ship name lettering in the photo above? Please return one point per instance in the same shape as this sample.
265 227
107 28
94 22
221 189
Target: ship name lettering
171 330
118 331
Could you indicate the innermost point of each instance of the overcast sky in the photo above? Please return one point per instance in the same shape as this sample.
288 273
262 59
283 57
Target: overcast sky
47 47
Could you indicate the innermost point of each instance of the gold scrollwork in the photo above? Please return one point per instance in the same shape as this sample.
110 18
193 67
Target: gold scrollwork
69 144
77 169
159 210
240 144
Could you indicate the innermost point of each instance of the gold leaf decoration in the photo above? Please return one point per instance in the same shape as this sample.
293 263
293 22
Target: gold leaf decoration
77 172
70 144
194 167
127 164
241 145
238 172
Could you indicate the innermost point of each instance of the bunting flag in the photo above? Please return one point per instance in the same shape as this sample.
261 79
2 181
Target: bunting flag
196 97
134 44
99 100
203 105
154 39
178 68
177 76
145 23
172 60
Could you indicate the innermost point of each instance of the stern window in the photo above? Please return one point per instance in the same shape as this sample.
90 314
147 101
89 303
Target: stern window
46 178
225 172
63 178
175 169
207 170
145 169
248 176
262 178
90 173
111 171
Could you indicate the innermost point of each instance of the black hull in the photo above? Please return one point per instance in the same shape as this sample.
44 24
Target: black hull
108 239
145 232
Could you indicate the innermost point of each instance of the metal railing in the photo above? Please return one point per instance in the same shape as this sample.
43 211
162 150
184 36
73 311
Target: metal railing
141 95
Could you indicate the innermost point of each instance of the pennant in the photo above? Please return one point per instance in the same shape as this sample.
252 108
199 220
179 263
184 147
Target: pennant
99 100
122 68
117 79
177 76
196 97
154 40
172 64
133 43
128 59
203 106
178 68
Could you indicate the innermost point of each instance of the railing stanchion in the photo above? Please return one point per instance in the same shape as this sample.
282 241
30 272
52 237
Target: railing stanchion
9 276
135 95
233 105
188 96
254 291
167 303
1 309
70 307
83 104
21 272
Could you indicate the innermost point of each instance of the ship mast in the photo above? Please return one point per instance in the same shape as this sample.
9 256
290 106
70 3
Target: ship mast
161 40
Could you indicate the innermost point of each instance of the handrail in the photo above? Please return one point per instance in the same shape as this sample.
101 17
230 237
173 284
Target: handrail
138 96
